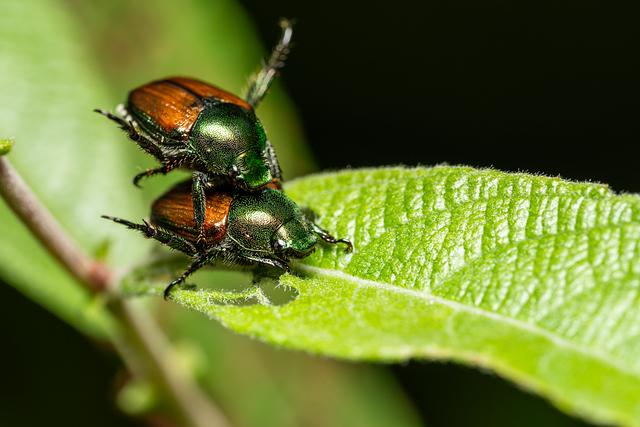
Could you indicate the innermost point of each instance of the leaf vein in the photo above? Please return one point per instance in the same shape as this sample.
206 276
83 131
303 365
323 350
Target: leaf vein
423 295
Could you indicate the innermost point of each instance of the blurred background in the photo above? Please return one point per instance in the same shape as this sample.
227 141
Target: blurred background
543 87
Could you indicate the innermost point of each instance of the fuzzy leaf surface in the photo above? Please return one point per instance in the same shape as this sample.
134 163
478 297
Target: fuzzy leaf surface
533 277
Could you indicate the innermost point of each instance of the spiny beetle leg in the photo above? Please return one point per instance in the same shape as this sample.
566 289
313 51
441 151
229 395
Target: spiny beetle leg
145 228
164 169
124 125
266 261
276 172
260 82
199 181
128 126
148 145
172 240
197 264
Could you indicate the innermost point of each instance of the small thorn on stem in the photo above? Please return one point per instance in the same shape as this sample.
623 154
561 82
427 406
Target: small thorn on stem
6 144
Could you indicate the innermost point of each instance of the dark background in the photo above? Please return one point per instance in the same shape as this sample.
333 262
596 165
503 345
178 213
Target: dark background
547 87
550 87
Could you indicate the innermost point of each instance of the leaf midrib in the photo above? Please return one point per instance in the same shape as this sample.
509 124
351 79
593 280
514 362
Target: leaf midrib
556 339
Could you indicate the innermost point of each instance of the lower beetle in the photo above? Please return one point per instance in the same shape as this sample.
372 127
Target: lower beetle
259 229
187 123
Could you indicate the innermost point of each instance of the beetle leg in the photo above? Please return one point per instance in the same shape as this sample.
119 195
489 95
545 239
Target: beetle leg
164 169
260 82
147 145
124 124
129 126
199 203
265 261
274 165
324 235
172 240
197 264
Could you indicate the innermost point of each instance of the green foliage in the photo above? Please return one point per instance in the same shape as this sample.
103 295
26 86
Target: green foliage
62 59
48 90
533 277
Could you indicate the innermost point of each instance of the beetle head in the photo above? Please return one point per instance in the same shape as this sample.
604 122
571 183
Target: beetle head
271 223
294 239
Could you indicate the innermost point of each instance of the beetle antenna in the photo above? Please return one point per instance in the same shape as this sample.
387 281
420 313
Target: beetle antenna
261 81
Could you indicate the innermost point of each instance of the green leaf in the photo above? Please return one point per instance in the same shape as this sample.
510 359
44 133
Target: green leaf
48 88
535 278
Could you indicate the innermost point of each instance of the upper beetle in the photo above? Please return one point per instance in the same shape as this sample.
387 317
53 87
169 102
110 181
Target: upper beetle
259 229
187 123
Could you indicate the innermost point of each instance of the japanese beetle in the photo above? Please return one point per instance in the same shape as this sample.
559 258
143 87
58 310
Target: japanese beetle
187 123
253 230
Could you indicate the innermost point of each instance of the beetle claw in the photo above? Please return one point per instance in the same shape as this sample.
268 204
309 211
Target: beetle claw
348 245
136 181
167 291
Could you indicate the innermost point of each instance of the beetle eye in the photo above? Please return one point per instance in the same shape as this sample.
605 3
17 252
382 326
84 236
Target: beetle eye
279 245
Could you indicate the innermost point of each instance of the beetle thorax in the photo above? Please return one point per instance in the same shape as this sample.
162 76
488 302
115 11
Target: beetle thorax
228 138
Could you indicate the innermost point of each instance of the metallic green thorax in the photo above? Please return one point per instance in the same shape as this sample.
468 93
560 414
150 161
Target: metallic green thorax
270 221
225 136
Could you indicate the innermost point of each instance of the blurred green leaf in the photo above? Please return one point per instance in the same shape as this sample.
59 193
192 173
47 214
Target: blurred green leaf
533 277
48 90
137 398
60 59
263 386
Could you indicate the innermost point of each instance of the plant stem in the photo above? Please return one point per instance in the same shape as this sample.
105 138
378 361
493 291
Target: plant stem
141 344
195 407
46 229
